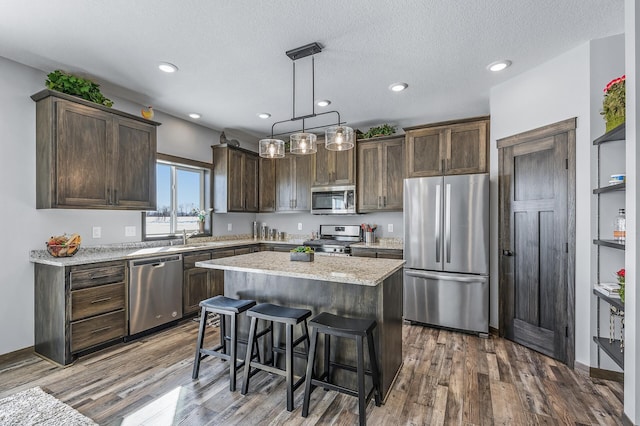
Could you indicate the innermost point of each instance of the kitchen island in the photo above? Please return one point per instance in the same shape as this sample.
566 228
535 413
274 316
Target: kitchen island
349 286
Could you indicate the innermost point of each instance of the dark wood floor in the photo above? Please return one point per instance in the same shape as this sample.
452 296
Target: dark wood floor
447 378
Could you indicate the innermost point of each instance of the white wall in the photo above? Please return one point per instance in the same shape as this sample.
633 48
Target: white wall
25 227
552 92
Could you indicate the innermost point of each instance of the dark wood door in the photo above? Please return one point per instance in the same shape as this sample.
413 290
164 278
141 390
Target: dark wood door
324 165
343 169
83 162
236 181
303 171
392 174
267 185
536 184
284 183
134 164
369 179
195 288
250 185
467 148
426 151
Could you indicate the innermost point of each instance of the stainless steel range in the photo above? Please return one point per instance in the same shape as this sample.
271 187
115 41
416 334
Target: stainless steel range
335 239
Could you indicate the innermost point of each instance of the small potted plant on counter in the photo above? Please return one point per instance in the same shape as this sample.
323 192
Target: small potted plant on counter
302 254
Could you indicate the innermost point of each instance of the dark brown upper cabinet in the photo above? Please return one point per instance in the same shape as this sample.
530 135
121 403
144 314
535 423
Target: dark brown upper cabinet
235 179
90 156
380 174
267 185
334 167
293 182
448 148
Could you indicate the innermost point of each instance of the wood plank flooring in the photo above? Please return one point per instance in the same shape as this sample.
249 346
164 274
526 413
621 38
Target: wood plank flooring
447 378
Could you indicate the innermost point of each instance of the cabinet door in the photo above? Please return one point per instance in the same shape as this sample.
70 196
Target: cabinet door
216 283
235 181
83 146
467 149
344 167
250 183
392 174
426 151
134 165
324 160
195 288
303 170
369 176
267 185
284 183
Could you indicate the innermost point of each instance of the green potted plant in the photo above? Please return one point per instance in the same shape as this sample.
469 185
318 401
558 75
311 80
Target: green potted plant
76 86
302 254
613 105
383 130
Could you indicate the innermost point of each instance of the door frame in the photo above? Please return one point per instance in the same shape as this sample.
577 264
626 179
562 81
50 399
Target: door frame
567 126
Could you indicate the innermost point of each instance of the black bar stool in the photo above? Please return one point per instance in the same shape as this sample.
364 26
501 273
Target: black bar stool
231 308
281 315
353 328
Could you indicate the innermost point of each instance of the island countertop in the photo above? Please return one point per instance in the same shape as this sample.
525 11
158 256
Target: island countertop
341 269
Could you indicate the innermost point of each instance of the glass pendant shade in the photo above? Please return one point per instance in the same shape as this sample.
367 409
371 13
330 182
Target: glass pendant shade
339 138
303 143
271 148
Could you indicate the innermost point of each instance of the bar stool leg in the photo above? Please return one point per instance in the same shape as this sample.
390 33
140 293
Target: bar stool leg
327 359
196 362
309 376
375 373
361 390
233 362
289 365
247 361
275 342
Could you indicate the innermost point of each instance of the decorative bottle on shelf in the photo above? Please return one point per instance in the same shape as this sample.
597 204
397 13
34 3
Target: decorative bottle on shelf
620 227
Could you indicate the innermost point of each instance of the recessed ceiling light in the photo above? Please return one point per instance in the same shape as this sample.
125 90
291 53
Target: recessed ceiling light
264 115
167 67
398 87
195 115
323 103
499 65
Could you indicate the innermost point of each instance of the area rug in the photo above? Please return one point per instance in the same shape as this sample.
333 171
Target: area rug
36 407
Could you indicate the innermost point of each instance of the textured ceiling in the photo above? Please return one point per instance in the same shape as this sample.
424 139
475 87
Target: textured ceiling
232 63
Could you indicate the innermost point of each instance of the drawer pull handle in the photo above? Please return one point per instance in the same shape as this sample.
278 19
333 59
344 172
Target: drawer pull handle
104 299
100 330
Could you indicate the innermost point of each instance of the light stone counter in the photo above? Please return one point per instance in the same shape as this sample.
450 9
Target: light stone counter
339 269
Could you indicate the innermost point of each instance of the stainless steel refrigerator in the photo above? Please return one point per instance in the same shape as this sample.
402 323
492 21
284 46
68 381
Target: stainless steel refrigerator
446 248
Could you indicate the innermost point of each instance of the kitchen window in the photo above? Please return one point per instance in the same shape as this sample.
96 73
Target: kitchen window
182 192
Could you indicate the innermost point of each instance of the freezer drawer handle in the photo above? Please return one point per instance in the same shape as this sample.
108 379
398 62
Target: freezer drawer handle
507 253
443 277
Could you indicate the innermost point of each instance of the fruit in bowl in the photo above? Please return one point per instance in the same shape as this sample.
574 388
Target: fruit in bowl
64 246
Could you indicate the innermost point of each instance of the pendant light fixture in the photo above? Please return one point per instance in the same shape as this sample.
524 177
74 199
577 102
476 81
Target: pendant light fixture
338 137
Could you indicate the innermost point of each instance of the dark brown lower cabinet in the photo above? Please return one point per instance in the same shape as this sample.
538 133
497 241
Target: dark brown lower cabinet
377 253
199 283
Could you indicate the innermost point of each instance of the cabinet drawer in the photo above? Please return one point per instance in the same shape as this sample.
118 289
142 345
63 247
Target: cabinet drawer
223 253
97 300
96 330
191 259
245 250
390 254
82 278
363 252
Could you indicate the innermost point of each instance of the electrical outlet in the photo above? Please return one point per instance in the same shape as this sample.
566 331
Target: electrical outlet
96 232
390 227
129 231
299 226
229 226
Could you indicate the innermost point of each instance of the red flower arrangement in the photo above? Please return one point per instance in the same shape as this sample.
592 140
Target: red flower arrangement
621 275
614 81
613 105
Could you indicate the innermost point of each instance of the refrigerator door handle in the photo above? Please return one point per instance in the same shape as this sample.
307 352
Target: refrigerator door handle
437 230
447 222
437 276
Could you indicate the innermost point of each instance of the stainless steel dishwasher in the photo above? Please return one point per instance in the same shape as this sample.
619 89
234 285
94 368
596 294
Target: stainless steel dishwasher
155 292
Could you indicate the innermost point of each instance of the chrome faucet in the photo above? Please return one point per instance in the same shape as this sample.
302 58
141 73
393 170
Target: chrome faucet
185 237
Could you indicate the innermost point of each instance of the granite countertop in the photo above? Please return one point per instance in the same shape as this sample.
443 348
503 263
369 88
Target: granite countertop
348 270
87 255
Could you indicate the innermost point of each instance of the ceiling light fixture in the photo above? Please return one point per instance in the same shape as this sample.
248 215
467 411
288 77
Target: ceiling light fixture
338 137
167 67
195 115
398 87
323 103
264 115
499 65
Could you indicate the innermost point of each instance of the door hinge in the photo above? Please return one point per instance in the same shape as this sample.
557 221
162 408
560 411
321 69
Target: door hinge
566 163
566 247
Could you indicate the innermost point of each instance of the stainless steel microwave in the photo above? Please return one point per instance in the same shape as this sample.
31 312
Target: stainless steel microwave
333 200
